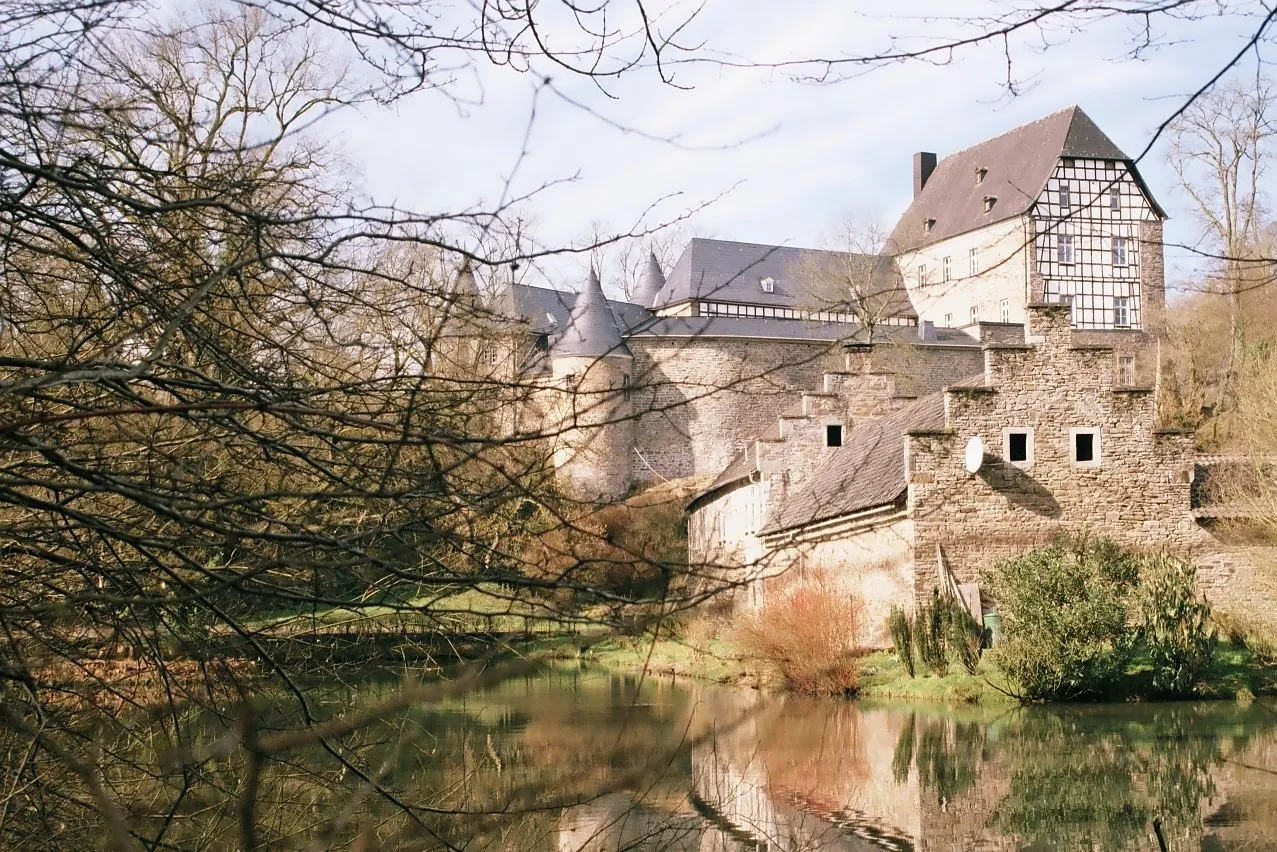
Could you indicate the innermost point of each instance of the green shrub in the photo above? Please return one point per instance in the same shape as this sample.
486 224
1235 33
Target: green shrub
1065 613
965 635
931 635
902 637
1174 624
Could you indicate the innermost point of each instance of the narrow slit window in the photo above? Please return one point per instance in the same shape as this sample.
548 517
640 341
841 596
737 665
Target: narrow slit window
833 435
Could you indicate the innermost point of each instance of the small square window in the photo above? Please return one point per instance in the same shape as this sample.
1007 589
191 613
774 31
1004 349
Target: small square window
1017 446
833 435
1085 447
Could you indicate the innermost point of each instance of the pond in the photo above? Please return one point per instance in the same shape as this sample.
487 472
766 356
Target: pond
584 759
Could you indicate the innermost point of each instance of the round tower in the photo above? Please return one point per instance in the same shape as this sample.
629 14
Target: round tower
651 283
592 421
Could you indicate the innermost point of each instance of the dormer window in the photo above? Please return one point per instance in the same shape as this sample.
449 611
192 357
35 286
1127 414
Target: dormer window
768 284
980 175
989 201
927 225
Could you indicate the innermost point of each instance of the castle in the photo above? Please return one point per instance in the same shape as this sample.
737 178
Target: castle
897 420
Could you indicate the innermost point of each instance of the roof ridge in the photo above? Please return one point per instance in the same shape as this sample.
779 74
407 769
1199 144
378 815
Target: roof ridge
1015 129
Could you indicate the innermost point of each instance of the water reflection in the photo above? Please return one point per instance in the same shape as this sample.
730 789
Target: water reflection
737 770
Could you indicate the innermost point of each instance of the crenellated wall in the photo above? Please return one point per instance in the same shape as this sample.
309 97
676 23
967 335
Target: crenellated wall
1137 493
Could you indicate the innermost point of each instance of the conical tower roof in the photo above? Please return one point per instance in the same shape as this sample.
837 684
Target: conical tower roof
591 328
651 282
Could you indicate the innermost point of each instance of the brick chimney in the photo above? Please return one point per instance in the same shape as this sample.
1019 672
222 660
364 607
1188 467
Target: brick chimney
924 163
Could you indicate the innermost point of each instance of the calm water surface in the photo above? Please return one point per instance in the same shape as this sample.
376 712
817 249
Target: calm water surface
587 760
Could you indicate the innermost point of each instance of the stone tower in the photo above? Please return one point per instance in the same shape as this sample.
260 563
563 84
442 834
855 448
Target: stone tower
592 368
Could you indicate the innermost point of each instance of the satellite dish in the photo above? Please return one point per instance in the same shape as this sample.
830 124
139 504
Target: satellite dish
974 455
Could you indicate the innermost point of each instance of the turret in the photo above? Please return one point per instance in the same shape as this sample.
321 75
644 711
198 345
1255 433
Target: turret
651 282
592 370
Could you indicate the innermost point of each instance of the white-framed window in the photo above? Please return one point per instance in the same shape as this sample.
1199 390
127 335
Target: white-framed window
948 320
1064 248
1004 310
973 261
1126 370
1121 311
768 284
922 275
1084 447
1017 445
975 313
1066 199
1115 198
833 434
1119 251
946 269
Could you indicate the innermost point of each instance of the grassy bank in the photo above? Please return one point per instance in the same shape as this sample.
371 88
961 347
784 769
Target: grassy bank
1236 673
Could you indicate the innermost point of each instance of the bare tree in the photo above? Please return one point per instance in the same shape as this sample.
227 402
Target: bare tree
854 277
1221 149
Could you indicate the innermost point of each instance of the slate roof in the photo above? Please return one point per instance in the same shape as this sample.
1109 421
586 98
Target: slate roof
868 470
591 328
651 282
788 329
725 271
548 310
1019 162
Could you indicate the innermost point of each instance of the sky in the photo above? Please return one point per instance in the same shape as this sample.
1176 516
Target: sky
761 156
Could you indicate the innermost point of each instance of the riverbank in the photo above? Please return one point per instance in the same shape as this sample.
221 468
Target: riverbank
1237 673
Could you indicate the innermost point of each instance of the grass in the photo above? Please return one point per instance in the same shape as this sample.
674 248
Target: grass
482 609
883 677
714 660
1236 674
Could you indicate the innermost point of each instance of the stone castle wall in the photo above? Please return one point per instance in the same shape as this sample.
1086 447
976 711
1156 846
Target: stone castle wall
1138 493
699 401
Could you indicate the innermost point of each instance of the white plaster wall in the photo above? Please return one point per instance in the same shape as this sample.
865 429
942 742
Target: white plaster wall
1003 274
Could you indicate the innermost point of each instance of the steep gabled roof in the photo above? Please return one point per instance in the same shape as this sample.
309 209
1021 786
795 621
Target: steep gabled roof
591 328
1019 162
725 271
867 471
